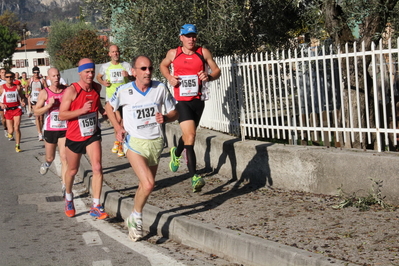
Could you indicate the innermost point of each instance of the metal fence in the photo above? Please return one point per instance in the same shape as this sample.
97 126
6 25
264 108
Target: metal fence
311 95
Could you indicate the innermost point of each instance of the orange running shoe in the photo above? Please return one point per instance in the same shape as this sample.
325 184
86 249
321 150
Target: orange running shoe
121 153
115 147
69 208
98 212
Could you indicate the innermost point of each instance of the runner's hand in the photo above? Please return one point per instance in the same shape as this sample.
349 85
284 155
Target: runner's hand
120 134
87 107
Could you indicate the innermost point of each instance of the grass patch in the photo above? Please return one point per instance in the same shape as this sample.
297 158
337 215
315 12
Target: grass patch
373 197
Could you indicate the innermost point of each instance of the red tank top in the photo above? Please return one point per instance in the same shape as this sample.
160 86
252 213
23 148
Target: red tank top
10 96
187 67
51 120
84 126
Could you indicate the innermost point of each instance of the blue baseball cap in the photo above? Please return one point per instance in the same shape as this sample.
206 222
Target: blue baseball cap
187 29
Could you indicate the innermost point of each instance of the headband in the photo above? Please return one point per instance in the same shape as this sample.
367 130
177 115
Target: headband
86 66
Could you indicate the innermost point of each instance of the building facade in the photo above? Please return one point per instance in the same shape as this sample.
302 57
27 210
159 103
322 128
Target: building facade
29 53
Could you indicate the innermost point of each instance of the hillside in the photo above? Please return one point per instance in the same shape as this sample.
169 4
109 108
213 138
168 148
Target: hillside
38 14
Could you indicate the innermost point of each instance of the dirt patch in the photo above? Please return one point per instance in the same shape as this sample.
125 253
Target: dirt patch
302 220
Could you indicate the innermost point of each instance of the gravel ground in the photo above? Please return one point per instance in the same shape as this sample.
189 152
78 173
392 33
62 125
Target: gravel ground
302 220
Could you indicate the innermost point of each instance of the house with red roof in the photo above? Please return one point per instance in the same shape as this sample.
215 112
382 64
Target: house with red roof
29 53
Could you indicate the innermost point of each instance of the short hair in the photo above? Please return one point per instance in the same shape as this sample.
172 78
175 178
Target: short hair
133 63
35 68
9 72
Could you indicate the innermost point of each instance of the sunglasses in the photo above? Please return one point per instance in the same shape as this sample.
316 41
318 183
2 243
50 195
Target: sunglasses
145 68
9 77
36 72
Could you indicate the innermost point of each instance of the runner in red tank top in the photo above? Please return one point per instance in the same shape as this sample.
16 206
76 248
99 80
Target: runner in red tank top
11 101
80 106
190 63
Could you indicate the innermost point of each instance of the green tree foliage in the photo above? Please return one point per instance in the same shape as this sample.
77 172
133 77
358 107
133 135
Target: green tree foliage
12 22
8 43
226 27
85 43
69 42
341 20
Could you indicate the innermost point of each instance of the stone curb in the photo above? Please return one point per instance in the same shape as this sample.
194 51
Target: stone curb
229 244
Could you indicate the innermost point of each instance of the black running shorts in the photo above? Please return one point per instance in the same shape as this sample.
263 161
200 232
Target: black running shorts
191 110
53 136
80 146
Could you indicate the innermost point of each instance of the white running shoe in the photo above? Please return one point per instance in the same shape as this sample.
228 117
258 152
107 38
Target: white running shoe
135 227
43 168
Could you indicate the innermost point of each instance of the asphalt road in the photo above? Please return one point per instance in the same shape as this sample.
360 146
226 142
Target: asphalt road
34 229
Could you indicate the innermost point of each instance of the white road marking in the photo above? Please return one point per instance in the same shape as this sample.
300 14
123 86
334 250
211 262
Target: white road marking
155 257
92 238
102 263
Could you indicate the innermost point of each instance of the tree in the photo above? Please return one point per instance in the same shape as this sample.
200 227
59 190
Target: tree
226 27
63 34
85 43
12 22
8 43
339 19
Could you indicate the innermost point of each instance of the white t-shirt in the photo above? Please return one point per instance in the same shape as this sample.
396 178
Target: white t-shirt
2 82
139 108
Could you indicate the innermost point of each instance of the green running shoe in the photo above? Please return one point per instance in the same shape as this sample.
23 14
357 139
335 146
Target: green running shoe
174 160
197 183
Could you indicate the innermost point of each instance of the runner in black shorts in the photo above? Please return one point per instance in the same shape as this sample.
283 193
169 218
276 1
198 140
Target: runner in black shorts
53 136
80 146
47 106
191 110
193 66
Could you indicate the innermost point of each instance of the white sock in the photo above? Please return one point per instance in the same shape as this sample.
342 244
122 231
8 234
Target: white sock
68 196
96 202
136 214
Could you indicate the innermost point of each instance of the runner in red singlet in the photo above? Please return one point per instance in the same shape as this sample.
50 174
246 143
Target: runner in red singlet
11 98
3 119
80 106
192 65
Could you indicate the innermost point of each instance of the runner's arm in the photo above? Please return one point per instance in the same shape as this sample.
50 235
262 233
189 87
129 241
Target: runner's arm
164 68
215 70
40 107
100 80
120 131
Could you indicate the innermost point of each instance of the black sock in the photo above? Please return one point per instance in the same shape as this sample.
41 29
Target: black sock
191 159
180 147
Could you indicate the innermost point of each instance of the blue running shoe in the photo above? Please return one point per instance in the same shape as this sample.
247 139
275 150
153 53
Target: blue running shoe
69 208
98 212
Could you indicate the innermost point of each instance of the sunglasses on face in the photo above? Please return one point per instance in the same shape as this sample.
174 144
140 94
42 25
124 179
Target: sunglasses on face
36 72
145 68
8 77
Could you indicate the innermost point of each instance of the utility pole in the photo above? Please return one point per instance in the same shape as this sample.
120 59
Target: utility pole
26 58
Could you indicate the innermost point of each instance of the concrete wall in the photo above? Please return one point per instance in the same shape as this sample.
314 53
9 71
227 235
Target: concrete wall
71 75
305 168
